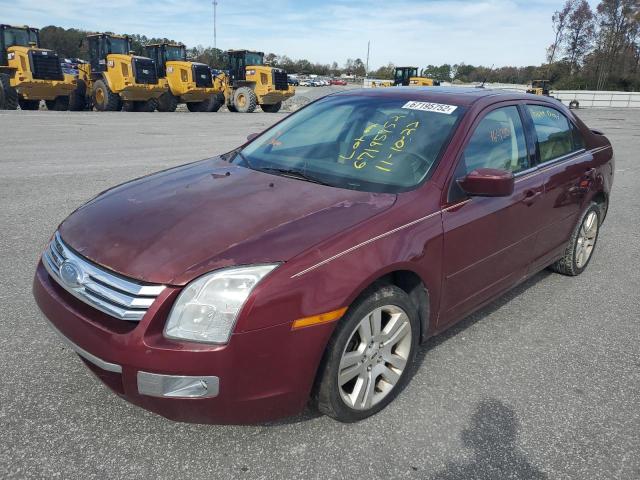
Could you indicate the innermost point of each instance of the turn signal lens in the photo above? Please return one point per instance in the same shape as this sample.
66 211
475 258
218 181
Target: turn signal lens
319 319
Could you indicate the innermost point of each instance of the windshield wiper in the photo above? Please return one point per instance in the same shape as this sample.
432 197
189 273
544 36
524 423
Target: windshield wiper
290 172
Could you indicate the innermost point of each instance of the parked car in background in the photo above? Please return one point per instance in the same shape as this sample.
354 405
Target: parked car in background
333 244
338 81
291 80
305 83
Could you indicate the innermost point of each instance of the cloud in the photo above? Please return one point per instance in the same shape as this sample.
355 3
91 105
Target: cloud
500 32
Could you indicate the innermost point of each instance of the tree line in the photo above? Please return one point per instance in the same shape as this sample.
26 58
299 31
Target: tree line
591 49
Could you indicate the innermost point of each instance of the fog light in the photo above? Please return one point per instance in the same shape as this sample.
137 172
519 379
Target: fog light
177 386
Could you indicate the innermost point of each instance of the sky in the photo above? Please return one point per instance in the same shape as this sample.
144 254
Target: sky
403 32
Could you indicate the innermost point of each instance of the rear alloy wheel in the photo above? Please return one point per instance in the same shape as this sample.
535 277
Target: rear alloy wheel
104 99
59 104
580 248
28 104
8 94
274 108
167 102
245 100
369 356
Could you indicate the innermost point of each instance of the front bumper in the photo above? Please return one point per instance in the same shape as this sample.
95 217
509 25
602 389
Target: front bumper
258 376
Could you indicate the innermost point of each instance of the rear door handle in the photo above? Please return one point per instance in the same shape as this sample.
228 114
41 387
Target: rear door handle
530 196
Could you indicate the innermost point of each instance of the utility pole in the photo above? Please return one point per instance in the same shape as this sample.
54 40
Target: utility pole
366 72
215 5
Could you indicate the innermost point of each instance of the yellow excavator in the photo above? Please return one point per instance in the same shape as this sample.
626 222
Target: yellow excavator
186 82
29 73
115 78
540 87
251 83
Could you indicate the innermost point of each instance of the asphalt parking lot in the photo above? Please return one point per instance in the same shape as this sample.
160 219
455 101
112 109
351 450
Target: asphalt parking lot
543 383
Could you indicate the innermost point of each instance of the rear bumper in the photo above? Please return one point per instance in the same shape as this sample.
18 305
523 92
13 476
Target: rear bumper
260 375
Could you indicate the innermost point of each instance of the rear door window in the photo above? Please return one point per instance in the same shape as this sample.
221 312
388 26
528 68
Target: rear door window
556 135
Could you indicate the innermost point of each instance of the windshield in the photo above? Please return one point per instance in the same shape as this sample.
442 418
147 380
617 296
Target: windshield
175 53
19 37
118 45
253 58
356 142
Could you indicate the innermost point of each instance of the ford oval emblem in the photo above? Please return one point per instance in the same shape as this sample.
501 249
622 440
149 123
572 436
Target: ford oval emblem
70 274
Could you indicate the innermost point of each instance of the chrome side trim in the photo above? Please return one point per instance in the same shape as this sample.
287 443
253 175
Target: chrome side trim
108 292
98 362
378 237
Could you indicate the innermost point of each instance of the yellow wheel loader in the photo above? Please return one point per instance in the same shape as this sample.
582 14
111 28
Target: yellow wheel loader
29 73
185 81
252 83
115 78
408 76
540 87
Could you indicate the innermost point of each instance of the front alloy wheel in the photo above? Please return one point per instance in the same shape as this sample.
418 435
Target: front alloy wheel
368 358
375 357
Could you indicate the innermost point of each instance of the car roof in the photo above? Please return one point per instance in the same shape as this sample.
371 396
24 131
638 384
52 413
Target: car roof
462 96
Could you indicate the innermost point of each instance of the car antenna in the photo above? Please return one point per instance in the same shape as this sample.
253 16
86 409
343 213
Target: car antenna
485 77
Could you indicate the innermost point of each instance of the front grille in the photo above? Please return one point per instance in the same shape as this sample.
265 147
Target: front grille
110 293
280 79
144 71
45 65
202 75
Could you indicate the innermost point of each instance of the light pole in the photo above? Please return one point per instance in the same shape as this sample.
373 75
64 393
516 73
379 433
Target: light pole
215 5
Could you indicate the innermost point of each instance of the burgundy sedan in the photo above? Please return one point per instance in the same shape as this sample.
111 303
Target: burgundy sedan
310 263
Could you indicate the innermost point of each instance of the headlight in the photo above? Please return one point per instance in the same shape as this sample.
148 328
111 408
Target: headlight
207 309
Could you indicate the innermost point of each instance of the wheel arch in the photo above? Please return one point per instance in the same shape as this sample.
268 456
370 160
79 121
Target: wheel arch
411 282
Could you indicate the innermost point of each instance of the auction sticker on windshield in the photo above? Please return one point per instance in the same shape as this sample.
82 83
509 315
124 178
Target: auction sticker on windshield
430 107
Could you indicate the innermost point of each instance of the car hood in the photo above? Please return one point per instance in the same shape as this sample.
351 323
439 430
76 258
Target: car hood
175 225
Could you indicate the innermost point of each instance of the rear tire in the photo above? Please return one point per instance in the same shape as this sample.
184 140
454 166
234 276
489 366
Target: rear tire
274 108
198 106
365 367
128 106
167 102
579 249
8 94
59 104
245 100
231 108
104 99
78 98
28 104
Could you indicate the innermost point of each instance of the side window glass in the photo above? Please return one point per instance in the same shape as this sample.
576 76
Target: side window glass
578 141
497 142
554 131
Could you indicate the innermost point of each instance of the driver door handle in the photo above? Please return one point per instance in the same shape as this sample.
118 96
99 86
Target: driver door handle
530 196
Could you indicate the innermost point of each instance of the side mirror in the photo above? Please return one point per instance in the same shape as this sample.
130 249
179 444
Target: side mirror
251 136
488 182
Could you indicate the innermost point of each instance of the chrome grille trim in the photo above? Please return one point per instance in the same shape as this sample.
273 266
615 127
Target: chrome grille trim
112 294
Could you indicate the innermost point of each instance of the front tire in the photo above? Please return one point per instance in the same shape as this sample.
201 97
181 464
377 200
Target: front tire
198 106
78 98
245 100
582 243
274 108
368 359
104 99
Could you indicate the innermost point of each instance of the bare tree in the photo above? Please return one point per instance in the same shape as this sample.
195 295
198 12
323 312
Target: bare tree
559 19
580 33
